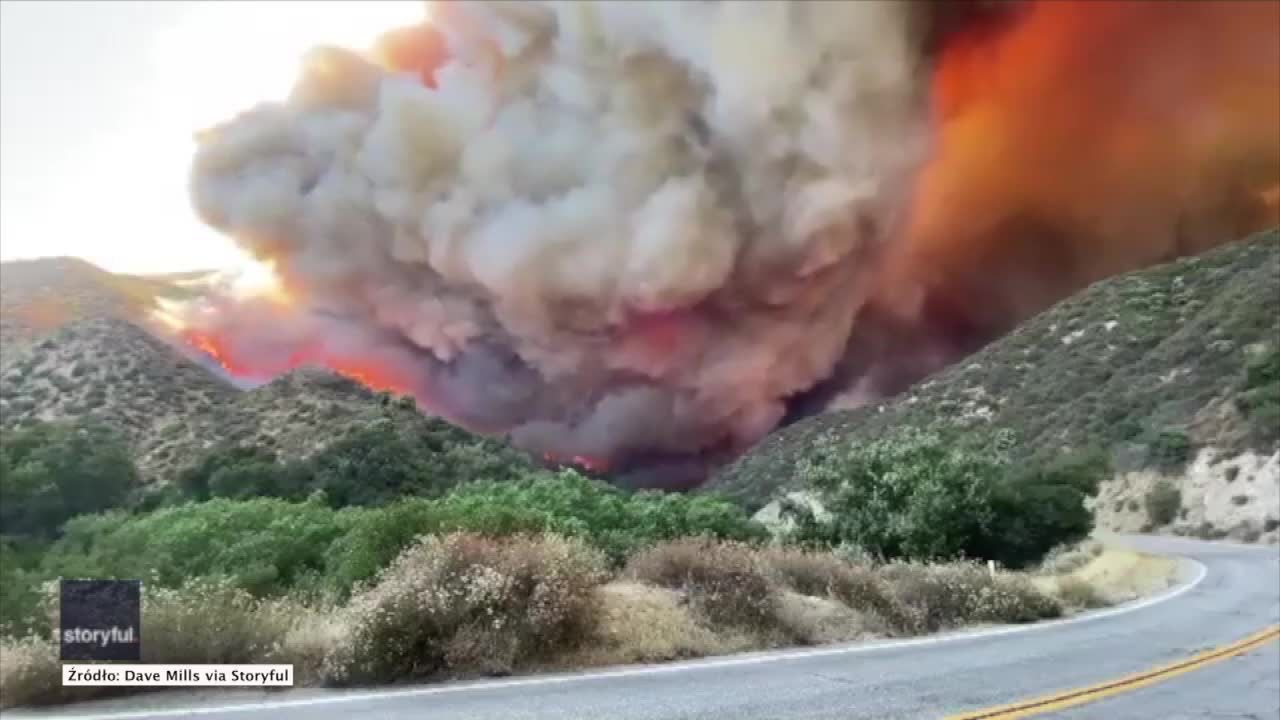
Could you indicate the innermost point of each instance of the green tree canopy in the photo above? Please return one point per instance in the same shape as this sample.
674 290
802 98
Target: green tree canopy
50 472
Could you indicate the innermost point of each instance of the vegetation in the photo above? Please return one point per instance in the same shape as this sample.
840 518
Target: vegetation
1259 398
724 582
270 547
263 546
403 547
372 465
914 495
1162 502
1136 366
1169 450
465 604
469 602
52 472
486 576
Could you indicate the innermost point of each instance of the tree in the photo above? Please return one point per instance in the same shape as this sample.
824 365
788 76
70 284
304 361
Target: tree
915 495
50 472
230 469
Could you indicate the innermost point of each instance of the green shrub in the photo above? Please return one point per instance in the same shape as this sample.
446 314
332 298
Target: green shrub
20 592
267 546
566 503
52 472
468 603
611 519
264 546
915 495
908 495
1162 502
1262 369
1169 450
377 535
198 482
372 465
1031 518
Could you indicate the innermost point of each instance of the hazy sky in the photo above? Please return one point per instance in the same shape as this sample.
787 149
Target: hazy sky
99 100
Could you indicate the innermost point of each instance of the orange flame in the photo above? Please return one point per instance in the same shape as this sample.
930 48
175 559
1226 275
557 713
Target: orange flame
590 464
1116 116
365 371
1086 139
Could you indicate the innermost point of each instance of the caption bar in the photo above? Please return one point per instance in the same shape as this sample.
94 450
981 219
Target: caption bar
177 675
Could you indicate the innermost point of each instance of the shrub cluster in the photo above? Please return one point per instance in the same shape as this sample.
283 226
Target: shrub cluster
203 621
929 598
465 603
724 582
268 547
469 603
1259 398
1162 503
50 472
825 574
915 495
373 465
264 545
736 587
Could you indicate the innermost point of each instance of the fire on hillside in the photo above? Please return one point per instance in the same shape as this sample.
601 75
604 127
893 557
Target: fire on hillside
619 231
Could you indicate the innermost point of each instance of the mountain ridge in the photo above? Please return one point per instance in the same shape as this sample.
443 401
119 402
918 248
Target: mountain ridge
1158 367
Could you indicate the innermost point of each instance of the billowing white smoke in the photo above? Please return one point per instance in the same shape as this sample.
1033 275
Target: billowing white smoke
612 227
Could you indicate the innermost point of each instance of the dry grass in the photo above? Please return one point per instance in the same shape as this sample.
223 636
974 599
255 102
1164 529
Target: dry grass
207 621
642 623
853 583
725 583
1122 575
949 595
465 603
1093 575
1068 558
1077 594
211 622
30 672
810 620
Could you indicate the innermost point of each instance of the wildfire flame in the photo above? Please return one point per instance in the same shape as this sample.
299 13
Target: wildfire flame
1067 142
582 461
359 370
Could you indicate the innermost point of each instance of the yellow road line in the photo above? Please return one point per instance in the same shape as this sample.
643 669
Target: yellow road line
1080 696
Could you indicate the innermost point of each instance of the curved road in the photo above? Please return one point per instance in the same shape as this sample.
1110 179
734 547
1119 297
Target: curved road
1227 593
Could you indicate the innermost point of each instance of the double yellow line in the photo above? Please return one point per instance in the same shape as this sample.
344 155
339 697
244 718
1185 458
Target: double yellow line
1080 696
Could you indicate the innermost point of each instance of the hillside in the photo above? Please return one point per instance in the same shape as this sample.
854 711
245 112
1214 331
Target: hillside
38 297
170 409
1174 370
113 371
310 409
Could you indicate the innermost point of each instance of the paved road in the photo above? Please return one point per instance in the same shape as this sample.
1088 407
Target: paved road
1229 592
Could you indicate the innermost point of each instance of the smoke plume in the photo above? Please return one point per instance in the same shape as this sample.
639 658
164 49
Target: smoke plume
636 231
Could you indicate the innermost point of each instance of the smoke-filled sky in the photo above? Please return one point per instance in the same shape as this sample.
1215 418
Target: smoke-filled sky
638 230
632 230
99 100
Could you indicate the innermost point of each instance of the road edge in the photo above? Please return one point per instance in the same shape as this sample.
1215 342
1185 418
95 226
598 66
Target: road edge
1194 575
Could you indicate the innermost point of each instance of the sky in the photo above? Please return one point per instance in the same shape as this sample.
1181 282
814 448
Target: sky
99 102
